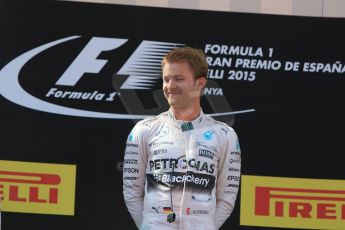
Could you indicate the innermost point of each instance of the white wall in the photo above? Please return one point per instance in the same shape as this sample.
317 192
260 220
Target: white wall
325 8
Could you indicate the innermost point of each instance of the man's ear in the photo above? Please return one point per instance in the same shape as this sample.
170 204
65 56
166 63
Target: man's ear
202 82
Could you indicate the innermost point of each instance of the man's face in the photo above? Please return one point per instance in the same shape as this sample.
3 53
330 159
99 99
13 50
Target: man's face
181 89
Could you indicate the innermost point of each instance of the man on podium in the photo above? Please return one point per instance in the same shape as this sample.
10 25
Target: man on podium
181 167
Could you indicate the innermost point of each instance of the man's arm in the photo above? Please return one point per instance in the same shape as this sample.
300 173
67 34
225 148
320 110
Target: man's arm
228 181
134 170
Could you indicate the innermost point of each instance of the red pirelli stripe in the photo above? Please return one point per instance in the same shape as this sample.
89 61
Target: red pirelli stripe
308 197
32 178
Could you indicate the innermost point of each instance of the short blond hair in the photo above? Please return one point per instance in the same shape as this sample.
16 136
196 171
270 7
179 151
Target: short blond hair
195 57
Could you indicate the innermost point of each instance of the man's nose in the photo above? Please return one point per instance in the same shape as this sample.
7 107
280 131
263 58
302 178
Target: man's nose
171 84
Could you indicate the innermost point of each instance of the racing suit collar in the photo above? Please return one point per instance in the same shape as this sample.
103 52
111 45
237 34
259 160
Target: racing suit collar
186 125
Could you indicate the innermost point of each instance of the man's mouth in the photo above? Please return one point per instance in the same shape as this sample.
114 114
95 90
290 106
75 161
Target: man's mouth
173 93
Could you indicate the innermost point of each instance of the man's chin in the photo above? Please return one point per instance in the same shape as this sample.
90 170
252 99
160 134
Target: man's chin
174 98
172 102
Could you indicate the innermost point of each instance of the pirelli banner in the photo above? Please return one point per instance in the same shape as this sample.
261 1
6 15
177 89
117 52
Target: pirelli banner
76 77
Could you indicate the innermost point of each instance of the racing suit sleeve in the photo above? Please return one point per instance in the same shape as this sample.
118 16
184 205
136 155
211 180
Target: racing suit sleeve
228 181
134 169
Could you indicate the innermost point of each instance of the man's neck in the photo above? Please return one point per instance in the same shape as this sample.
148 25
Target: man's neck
186 114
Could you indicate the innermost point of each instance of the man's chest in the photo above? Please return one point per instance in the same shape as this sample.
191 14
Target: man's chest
195 150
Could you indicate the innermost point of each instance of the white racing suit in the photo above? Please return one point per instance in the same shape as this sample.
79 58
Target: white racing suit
196 163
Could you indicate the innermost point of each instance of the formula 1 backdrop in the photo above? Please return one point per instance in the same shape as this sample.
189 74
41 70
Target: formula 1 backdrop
76 77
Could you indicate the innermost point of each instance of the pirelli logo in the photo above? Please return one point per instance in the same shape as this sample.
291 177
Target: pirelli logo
292 202
37 187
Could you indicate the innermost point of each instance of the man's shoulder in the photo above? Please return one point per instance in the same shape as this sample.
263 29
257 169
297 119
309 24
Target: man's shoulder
149 122
218 125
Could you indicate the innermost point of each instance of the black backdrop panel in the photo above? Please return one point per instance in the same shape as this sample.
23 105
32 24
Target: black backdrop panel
290 122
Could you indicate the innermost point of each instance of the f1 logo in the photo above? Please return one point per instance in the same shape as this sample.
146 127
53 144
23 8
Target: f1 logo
87 61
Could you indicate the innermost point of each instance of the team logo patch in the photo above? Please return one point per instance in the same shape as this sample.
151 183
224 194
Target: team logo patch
208 135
